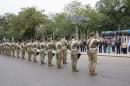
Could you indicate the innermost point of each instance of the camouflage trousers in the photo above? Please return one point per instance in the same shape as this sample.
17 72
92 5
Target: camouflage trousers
13 52
34 55
23 53
59 58
92 62
42 56
18 53
74 59
50 55
29 54
64 52
9 51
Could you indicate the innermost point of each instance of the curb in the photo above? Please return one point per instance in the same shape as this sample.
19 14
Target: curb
116 55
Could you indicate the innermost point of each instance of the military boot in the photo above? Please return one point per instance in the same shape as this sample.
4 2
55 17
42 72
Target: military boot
64 61
34 59
49 65
75 70
59 67
43 62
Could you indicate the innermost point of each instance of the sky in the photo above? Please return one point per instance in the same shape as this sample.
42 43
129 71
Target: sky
50 6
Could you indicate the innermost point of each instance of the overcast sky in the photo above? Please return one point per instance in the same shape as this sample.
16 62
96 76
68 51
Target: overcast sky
50 6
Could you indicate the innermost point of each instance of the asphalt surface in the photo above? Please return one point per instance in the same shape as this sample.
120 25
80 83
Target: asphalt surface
112 71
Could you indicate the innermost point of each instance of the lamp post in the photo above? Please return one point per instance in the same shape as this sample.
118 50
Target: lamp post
76 20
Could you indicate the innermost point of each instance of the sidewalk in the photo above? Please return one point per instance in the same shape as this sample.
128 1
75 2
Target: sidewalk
111 54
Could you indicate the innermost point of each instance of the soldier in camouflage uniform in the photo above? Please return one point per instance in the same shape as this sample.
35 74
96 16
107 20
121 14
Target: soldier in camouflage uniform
42 52
23 49
9 49
29 50
92 53
0 48
64 50
34 51
58 54
50 47
13 47
74 55
5 48
18 47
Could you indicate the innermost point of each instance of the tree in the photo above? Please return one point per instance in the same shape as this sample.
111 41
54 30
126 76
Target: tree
5 23
29 19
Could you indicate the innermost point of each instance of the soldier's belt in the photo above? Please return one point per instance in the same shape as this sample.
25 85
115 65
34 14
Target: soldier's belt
92 49
74 49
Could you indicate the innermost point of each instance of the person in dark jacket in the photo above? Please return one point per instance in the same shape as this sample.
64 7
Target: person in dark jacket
105 46
84 46
118 44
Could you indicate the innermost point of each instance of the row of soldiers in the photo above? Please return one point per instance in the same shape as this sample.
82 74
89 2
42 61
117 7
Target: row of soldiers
47 48
42 48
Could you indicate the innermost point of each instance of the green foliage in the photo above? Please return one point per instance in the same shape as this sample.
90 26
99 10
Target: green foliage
31 23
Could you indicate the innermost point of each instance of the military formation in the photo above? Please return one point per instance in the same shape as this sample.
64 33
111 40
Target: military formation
48 49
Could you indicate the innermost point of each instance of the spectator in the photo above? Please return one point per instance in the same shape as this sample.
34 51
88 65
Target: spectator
105 46
118 44
81 46
124 47
109 45
128 43
113 42
84 46
100 47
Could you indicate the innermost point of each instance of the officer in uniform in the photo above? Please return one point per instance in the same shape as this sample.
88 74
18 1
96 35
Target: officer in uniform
42 52
23 49
58 53
29 50
5 48
0 48
64 50
9 49
13 47
34 51
74 55
50 47
18 47
92 52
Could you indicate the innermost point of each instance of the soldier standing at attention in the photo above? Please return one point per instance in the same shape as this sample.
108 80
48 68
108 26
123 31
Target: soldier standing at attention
58 54
6 48
13 49
29 50
34 51
74 55
18 47
0 48
50 46
42 52
24 49
92 52
9 47
64 50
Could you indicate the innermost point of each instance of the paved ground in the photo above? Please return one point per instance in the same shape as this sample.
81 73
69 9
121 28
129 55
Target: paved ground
112 71
111 54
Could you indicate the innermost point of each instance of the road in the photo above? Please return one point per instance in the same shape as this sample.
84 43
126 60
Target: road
112 71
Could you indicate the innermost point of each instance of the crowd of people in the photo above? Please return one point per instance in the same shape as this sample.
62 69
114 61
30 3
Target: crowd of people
111 43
